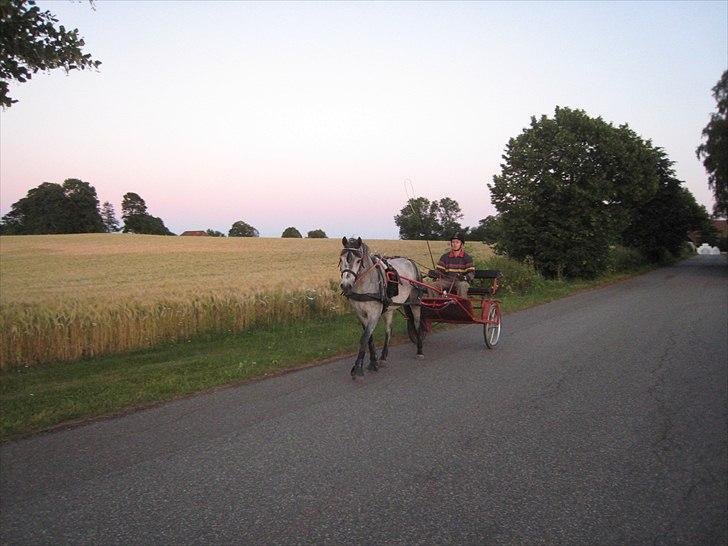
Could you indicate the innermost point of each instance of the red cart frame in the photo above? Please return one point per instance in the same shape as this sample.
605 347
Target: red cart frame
480 307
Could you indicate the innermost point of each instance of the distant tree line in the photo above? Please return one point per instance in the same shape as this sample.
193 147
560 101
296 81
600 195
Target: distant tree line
73 207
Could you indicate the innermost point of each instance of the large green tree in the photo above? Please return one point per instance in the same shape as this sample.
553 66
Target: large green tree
317 234
71 207
714 151
30 41
137 219
568 188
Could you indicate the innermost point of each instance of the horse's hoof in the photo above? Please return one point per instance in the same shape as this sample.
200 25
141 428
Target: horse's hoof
420 357
373 367
382 362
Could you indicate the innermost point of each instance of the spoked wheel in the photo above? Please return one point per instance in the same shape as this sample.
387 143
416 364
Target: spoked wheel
491 332
411 330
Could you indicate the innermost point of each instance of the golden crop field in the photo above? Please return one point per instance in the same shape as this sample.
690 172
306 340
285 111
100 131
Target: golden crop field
64 297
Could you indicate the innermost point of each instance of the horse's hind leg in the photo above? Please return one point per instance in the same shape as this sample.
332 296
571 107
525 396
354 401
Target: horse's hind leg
416 316
388 316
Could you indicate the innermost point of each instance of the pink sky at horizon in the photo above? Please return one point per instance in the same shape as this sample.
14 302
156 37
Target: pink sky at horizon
313 114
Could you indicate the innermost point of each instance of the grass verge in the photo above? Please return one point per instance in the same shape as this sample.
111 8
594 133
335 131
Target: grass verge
37 398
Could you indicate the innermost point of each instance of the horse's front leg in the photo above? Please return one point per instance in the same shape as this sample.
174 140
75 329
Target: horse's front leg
373 367
358 368
388 316
364 340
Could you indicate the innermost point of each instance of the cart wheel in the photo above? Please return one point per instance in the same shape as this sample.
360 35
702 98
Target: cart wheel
411 331
491 332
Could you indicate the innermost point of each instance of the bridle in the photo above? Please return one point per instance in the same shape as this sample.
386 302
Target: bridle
361 263
358 275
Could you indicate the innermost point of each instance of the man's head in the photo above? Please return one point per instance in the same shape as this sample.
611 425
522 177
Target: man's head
456 241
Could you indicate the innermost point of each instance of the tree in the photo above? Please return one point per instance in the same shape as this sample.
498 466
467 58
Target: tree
488 230
82 206
714 150
41 211
418 220
317 234
568 189
132 205
214 233
291 233
54 208
241 229
448 216
136 218
660 226
108 217
29 42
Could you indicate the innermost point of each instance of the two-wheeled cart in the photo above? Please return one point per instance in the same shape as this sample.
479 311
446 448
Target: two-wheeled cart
479 307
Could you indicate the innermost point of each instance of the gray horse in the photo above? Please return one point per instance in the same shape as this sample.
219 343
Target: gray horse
364 283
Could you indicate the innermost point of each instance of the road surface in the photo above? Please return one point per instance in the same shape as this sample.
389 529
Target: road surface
599 419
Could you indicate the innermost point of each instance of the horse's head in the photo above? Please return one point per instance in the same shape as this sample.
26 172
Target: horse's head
350 262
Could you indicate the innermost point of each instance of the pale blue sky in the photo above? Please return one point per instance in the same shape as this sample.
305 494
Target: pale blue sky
314 114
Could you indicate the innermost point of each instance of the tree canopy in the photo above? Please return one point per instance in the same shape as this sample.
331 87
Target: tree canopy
487 230
317 234
71 207
660 225
421 219
30 41
714 151
568 188
291 233
241 229
137 220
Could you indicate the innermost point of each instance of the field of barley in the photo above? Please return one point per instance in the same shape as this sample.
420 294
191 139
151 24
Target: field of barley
66 297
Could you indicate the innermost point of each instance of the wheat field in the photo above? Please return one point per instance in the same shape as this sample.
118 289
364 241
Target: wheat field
66 297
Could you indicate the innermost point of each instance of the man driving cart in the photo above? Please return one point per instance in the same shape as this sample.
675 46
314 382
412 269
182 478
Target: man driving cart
455 269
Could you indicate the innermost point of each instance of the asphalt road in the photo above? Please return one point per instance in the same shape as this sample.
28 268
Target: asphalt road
600 419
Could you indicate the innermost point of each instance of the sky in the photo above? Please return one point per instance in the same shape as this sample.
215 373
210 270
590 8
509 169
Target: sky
315 114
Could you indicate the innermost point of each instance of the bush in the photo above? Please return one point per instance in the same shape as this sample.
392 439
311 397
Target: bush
291 233
518 277
623 259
